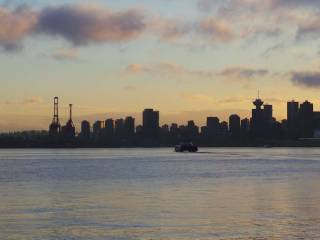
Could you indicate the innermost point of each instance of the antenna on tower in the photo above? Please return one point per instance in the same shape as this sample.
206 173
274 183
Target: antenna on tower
70 111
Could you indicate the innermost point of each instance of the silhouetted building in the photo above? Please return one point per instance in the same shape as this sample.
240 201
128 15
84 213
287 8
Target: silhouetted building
139 130
174 129
129 127
268 120
119 130
234 125
293 119
164 130
268 113
257 119
245 126
55 127
316 124
97 129
192 131
109 128
224 129
150 124
213 127
85 129
306 119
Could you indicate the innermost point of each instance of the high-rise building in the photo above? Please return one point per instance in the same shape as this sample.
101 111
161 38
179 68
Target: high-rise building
119 130
174 129
268 121
306 119
224 129
129 127
109 128
97 128
258 119
293 119
192 130
85 129
245 126
234 124
150 119
213 126
268 113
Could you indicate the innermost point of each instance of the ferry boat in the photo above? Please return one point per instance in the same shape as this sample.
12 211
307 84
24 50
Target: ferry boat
186 146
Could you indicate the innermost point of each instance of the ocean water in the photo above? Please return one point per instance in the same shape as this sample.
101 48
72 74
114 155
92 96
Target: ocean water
98 194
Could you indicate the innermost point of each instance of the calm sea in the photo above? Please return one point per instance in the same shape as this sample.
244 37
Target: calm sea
97 194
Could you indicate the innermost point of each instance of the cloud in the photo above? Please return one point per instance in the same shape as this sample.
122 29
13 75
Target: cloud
27 101
293 3
243 72
81 24
171 69
217 30
32 100
205 5
309 29
78 24
137 68
306 79
198 98
65 54
274 48
84 24
170 29
15 26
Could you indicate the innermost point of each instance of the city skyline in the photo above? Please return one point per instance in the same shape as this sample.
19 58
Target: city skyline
300 128
188 59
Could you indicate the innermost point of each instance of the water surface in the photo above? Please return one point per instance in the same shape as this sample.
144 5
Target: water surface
157 194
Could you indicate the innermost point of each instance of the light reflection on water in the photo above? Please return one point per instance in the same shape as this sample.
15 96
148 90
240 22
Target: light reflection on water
157 194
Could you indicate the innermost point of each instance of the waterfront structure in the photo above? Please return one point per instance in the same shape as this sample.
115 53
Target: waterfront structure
302 122
234 124
129 127
85 129
213 127
293 119
69 130
150 123
306 119
55 127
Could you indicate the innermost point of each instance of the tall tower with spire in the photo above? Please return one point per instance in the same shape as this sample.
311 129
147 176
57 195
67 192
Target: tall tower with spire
69 130
261 118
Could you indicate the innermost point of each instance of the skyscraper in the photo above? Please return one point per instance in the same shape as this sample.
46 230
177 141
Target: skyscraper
129 127
97 128
268 114
234 124
150 119
258 119
293 119
213 126
109 128
306 119
85 129
119 129
245 126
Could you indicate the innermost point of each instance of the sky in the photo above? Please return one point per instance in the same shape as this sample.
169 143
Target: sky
186 58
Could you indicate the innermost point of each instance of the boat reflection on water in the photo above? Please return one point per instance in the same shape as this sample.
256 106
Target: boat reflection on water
186 146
